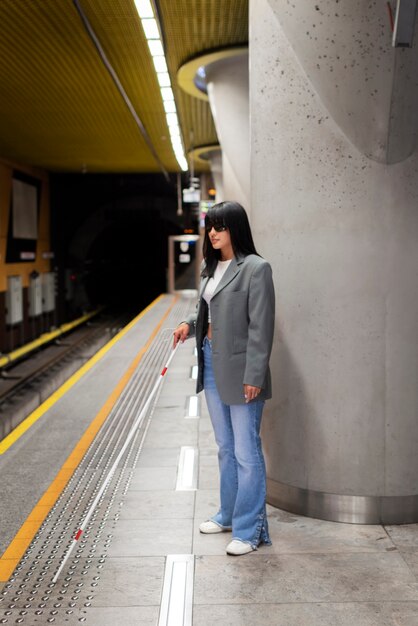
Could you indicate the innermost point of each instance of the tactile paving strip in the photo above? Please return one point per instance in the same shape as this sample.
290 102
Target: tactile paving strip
30 597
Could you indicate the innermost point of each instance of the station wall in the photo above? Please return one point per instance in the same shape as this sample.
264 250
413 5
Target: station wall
11 336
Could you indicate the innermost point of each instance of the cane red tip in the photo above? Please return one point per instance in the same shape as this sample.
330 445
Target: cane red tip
78 535
164 371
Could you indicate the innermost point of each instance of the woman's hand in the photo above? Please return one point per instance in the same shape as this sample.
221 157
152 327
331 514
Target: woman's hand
181 333
250 392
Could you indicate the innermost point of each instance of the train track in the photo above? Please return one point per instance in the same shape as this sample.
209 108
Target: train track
42 372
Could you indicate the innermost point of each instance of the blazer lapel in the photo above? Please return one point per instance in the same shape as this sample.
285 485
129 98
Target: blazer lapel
232 271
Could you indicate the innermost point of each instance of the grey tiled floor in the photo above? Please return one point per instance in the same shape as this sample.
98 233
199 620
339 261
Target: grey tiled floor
316 573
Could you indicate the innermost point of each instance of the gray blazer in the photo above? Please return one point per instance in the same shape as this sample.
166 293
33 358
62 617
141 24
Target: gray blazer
242 317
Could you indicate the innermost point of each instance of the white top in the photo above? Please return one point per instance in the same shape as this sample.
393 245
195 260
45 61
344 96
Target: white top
214 282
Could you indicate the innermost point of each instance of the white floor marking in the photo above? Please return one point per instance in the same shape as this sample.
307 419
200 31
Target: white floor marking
193 407
177 597
187 469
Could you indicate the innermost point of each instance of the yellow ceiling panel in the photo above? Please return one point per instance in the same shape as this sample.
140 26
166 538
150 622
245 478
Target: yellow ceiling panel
192 27
59 107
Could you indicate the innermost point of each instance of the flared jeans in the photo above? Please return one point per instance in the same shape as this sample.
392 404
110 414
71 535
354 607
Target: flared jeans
241 461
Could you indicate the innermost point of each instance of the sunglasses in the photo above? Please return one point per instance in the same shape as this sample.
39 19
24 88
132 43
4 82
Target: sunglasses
218 227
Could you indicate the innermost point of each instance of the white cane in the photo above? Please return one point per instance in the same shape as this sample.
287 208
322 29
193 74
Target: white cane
115 464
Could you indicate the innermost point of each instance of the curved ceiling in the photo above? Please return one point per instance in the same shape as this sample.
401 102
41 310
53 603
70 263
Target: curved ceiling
59 107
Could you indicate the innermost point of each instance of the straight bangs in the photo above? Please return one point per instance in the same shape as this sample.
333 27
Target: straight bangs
215 216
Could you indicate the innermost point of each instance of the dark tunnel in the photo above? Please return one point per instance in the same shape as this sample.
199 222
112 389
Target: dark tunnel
110 233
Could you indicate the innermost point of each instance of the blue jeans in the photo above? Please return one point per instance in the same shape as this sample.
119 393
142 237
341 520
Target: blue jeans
241 461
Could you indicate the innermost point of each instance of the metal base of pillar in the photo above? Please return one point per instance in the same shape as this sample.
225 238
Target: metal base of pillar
343 508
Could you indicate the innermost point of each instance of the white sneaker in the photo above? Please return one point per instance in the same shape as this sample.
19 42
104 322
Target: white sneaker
237 547
209 528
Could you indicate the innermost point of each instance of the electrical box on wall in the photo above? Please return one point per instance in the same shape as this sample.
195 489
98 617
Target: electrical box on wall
14 300
35 296
48 292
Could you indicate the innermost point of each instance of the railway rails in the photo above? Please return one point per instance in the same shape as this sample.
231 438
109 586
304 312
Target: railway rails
25 384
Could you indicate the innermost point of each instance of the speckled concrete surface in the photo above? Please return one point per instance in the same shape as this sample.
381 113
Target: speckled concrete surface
337 219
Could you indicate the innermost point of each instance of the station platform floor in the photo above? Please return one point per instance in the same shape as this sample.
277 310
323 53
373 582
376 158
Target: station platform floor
141 559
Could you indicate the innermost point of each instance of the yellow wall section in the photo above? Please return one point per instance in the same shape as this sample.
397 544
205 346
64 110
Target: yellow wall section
44 240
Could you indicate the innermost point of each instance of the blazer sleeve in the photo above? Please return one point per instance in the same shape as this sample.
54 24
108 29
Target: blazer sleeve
261 312
191 321
192 318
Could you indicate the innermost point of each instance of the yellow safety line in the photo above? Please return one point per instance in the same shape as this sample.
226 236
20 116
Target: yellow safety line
53 398
25 535
46 338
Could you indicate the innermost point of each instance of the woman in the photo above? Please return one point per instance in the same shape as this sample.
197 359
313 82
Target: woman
234 326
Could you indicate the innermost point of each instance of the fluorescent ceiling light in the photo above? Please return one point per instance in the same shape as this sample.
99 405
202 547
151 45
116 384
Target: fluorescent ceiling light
174 136
163 79
172 119
144 8
183 163
181 159
160 63
152 33
169 106
174 127
150 28
155 47
167 93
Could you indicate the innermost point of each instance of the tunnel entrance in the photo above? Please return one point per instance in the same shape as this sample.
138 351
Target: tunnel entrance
110 235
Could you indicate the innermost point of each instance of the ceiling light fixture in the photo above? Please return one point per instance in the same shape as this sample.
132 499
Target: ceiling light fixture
172 119
144 8
151 29
169 106
155 47
160 64
163 79
167 93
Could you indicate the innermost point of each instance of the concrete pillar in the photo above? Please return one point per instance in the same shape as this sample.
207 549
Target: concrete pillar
227 87
212 155
222 77
215 160
334 195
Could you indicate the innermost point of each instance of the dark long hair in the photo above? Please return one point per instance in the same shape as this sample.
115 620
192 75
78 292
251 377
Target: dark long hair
233 216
